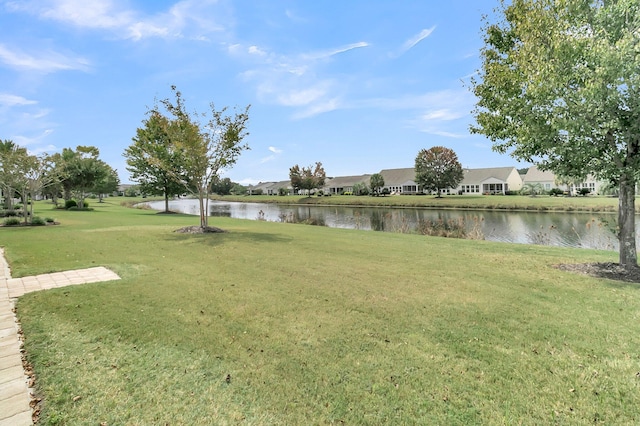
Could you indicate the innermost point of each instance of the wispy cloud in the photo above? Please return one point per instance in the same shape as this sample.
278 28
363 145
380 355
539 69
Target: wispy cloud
413 41
44 61
186 18
322 54
297 80
275 153
9 100
443 114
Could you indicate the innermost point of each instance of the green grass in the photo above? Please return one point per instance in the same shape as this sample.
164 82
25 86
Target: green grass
319 326
481 202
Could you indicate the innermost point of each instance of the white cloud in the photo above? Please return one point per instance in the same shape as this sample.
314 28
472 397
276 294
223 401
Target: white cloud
412 42
295 80
45 61
331 52
186 18
409 44
275 150
255 50
14 100
319 108
444 114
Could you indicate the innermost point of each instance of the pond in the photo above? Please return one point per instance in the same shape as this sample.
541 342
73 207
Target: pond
584 230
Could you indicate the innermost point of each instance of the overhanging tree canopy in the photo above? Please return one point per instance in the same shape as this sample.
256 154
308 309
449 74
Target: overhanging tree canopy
560 86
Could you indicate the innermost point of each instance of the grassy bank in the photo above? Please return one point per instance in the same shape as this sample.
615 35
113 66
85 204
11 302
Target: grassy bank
480 202
276 323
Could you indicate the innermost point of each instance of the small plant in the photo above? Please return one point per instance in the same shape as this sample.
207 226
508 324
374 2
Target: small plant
38 221
12 221
261 216
49 220
69 204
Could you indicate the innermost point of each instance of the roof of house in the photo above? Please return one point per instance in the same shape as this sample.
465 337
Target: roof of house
286 184
394 177
473 176
262 185
534 174
342 181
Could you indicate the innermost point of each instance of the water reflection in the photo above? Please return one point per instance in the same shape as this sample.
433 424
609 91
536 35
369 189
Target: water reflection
560 229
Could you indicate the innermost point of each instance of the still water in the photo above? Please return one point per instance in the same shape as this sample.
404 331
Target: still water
585 230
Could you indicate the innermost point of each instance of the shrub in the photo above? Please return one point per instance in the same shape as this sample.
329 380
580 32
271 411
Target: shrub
256 192
584 191
11 221
69 204
38 221
49 220
554 192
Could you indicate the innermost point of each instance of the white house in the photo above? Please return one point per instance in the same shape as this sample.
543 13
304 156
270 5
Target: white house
493 180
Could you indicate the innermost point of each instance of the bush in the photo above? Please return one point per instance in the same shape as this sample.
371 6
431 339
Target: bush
256 192
584 191
49 220
69 204
11 221
554 192
38 221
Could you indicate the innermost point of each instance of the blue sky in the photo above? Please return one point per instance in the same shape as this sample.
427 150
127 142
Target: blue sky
360 85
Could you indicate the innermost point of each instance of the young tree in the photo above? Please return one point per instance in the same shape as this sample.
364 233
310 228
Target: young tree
10 173
222 186
207 148
154 160
108 184
82 170
560 86
376 181
438 168
307 178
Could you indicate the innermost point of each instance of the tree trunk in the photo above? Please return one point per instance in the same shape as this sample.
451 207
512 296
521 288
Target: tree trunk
626 223
166 201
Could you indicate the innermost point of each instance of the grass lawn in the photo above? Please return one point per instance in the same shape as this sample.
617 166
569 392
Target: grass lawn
283 324
481 202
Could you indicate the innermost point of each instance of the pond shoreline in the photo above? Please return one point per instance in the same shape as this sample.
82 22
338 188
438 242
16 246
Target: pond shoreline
495 203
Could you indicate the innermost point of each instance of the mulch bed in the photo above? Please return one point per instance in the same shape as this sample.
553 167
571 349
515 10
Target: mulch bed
607 270
200 230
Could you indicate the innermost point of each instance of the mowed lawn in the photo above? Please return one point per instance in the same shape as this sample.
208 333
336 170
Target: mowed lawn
283 324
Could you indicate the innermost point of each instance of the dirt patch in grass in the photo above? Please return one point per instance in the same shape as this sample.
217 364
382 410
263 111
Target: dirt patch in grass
199 230
608 270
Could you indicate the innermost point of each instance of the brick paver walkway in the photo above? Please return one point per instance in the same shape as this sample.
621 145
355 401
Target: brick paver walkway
14 390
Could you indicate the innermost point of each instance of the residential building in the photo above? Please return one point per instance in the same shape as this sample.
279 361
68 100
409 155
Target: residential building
341 184
400 181
493 180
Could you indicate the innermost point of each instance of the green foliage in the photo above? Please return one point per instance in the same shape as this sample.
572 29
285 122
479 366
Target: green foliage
282 191
222 186
554 192
559 86
238 189
132 191
360 188
376 182
11 221
154 160
532 189
108 184
37 220
438 168
307 178
206 146
584 191
70 203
